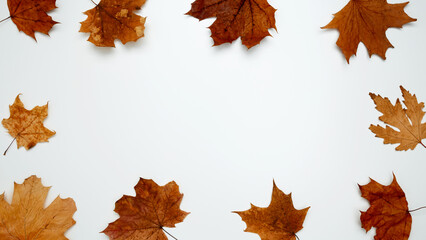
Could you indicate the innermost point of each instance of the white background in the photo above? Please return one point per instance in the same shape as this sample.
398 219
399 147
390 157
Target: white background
223 122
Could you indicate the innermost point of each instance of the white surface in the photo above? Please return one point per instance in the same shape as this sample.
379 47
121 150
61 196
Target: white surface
220 121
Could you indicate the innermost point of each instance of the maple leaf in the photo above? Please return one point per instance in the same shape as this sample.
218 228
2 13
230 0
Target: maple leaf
366 21
279 221
388 211
248 19
26 217
114 19
26 126
146 215
408 120
30 16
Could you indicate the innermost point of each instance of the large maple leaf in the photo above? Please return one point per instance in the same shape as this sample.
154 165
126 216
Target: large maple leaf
248 19
145 215
26 126
30 16
279 221
407 120
366 21
388 211
114 19
26 218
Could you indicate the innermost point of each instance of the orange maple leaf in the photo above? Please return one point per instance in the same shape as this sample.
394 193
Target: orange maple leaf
248 19
114 19
388 211
146 215
26 217
366 21
279 221
30 16
408 120
26 126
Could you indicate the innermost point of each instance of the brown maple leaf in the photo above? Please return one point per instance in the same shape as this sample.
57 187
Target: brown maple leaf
248 19
408 120
279 221
388 211
146 215
366 21
30 16
26 218
26 126
114 19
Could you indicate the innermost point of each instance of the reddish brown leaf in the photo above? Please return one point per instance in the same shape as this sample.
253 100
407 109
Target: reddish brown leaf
279 221
144 216
30 16
27 218
114 19
388 211
366 21
248 19
407 120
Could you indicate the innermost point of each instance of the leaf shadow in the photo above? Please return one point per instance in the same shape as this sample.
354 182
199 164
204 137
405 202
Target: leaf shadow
221 47
241 47
131 46
102 50
253 50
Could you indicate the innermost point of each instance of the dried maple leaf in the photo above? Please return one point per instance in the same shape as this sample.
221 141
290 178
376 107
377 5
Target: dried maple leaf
248 19
388 211
26 218
114 19
366 21
26 126
279 221
408 120
145 216
30 16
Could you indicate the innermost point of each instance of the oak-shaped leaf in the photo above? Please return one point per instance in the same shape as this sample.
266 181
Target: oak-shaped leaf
145 215
27 218
407 120
30 16
366 21
388 211
114 19
279 221
26 126
248 19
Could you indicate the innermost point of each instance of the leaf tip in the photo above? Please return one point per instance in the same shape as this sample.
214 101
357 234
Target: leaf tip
372 95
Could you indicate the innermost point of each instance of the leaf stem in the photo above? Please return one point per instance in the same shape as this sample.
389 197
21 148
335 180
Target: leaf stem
5 19
416 209
422 144
4 154
296 236
169 233
94 2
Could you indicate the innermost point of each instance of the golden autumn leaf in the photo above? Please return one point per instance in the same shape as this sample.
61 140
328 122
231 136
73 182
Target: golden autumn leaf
145 215
248 19
26 126
27 218
366 21
407 120
279 221
30 16
114 19
388 211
